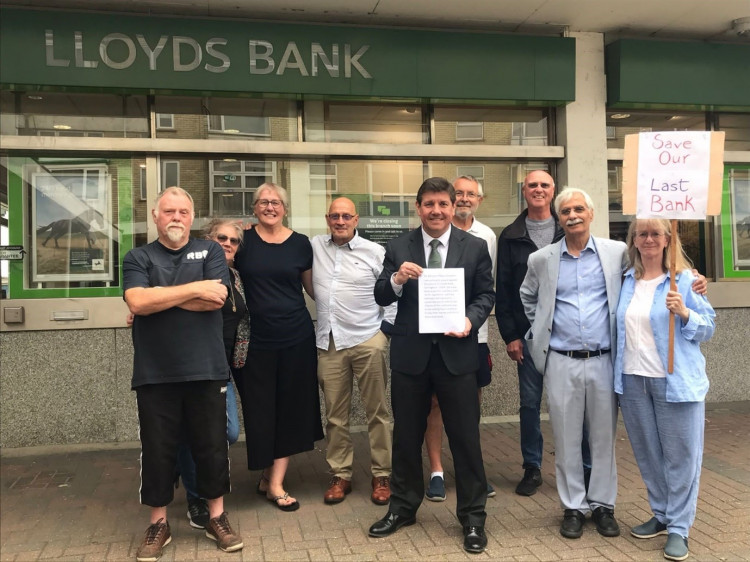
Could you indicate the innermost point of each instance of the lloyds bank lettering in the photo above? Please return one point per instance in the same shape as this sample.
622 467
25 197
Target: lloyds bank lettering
178 53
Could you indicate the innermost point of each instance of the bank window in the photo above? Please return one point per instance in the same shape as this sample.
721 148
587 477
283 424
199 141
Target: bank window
170 173
142 181
627 122
165 120
73 115
735 222
491 125
323 177
737 129
476 172
239 125
233 183
469 131
366 123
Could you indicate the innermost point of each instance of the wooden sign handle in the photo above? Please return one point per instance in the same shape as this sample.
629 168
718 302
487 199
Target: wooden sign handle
672 287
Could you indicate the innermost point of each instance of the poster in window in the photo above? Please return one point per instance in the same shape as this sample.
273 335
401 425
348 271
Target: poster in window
71 228
740 193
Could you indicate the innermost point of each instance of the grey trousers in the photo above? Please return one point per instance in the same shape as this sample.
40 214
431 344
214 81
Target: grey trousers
578 390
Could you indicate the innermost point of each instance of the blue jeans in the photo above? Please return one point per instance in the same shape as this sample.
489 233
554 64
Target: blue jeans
530 387
185 463
667 441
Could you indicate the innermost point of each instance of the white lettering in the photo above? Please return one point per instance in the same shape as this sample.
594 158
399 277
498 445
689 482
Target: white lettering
154 53
292 51
104 45
211 50
316 51
265 56
49 47
177 42
80 61
353 61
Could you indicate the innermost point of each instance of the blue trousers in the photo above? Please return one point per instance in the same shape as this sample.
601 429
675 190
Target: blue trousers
667 441
185 463
530 386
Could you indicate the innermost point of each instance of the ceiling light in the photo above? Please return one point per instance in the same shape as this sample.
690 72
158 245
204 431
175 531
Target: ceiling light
230 160
741 26
619 116
35 97
62 127
142 165
675 117
233 131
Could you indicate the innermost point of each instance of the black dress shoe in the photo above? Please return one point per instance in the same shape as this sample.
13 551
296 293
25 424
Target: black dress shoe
572 524
475 541
606 524
390 524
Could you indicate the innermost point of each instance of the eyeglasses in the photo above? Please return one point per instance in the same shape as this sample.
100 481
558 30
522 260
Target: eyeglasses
337 216
223 238
266 202
654 235
535 184
467 194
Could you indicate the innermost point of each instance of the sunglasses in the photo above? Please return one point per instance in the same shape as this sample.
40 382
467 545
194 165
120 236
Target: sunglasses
224 238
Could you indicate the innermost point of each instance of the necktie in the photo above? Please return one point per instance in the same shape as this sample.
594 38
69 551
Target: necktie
434 260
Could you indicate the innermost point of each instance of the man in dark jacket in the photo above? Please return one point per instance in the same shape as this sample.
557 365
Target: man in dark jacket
535 227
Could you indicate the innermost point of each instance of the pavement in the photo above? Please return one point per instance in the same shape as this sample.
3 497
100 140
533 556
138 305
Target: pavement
75 504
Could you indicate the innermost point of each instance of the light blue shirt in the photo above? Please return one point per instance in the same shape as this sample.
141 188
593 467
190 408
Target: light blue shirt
688 382
581 320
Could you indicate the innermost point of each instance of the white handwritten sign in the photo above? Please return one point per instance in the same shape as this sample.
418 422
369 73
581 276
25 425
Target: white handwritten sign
673 173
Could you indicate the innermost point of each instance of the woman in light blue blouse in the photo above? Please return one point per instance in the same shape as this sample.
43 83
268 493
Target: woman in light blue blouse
663 412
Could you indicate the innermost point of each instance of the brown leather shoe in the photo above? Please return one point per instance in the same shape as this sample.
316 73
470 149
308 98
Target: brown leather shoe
381 490
337 490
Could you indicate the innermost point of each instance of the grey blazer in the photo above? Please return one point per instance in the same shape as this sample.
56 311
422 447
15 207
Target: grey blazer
539 290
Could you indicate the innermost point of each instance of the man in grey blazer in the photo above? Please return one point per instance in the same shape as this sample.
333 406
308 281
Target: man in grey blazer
570 296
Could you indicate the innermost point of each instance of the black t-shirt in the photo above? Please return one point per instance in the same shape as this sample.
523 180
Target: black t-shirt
272 274
177 345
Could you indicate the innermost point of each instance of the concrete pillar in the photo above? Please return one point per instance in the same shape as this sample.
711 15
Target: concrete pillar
581 128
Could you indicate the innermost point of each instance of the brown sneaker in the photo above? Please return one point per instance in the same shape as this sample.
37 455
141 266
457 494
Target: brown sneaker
157 537
219 530
381 490
337 490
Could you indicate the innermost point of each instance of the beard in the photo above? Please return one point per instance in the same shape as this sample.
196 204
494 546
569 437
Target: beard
463 213
175 233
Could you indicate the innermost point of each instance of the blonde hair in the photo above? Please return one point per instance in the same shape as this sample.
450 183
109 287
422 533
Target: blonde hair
682 262
277 189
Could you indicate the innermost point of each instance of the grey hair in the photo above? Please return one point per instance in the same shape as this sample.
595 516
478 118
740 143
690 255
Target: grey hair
280 191
176 191
209 231
467 177
567 194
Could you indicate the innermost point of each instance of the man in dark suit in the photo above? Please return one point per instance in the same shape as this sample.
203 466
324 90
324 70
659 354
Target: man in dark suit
441 364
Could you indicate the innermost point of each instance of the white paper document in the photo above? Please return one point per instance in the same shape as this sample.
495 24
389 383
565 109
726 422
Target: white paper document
441 301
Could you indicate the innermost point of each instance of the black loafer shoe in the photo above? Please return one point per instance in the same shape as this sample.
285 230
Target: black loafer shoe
572 524
475 541
390 524
606 524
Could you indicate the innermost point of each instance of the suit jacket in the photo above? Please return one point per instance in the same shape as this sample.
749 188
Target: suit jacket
539 290
410 350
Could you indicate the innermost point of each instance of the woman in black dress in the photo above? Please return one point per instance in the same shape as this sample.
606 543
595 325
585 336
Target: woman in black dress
278 386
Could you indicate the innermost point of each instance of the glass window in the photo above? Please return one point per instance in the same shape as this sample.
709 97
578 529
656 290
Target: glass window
73 115
491 125
233 183
735 221
227 118
358 122
66 213
737 129
165 121
323 177
627 122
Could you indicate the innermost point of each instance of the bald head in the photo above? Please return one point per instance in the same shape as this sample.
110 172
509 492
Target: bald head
538 191
342 220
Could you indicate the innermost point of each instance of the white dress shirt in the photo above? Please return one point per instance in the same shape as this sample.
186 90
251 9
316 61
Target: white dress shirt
484 232
344 279
426 239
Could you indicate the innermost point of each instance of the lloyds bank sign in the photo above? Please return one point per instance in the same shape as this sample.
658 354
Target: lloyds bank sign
51 49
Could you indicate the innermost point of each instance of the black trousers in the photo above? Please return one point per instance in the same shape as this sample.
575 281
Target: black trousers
411 398
168 412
